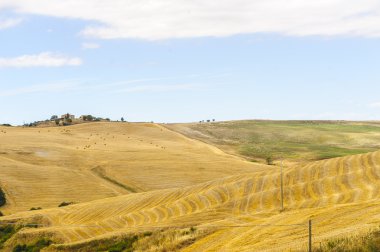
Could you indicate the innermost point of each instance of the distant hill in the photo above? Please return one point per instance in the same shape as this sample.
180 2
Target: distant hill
295 141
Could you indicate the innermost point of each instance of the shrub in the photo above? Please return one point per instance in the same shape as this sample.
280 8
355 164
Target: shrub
6 232
147 233
2 198
36 247
63 204
124 245
269 160
35 208
89 118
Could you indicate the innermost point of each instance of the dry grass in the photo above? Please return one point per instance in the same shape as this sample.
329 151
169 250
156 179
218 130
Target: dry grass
42 167
180 183
340 195
369 242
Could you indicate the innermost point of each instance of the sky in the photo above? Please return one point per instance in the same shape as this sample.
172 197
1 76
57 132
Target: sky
190 60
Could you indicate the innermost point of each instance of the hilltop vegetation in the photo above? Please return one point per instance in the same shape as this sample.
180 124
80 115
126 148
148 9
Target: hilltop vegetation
293 140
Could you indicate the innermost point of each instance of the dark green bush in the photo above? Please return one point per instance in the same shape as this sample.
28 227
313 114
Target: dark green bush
63 204
35 208
2 198
36 247
269 160
6 232
125 245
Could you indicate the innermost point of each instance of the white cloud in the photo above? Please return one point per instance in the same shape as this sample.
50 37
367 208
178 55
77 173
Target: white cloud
90 46
45 59
10 22
165 19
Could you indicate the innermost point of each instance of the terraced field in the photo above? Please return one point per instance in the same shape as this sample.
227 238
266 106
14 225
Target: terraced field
241 212
42 167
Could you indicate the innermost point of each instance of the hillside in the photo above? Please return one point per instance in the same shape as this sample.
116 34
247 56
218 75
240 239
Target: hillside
43 167
295 141
239 213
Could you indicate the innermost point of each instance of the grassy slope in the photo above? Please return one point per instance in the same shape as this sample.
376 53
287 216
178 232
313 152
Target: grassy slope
340 195
42 167
293 140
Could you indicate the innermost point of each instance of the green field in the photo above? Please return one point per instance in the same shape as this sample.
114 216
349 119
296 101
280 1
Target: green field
293 140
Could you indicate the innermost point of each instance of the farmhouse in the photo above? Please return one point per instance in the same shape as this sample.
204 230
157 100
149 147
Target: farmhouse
68 116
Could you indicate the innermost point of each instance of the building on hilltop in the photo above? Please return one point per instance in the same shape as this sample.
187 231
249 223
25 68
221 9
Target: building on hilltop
68 116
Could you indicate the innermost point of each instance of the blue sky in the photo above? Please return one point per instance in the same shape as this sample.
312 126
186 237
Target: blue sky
181 61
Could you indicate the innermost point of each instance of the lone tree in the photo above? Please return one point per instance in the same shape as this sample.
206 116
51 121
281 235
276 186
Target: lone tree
269 160
122 119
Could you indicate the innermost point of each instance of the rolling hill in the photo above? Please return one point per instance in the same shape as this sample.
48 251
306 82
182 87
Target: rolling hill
43 167
295 141
237 213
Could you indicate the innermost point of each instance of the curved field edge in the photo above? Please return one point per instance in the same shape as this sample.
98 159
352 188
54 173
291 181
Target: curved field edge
155 240
340 195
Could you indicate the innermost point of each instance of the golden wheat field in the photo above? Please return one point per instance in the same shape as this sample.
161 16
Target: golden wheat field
42 167
143 177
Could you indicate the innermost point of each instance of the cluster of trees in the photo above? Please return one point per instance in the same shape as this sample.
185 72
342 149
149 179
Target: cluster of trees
213 120
65 121
88 118
32 124
91 118
68 121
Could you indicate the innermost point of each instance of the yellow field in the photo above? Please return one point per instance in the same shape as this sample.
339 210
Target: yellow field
42 167
238 203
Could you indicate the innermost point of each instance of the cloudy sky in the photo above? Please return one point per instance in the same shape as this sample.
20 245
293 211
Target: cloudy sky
188 60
